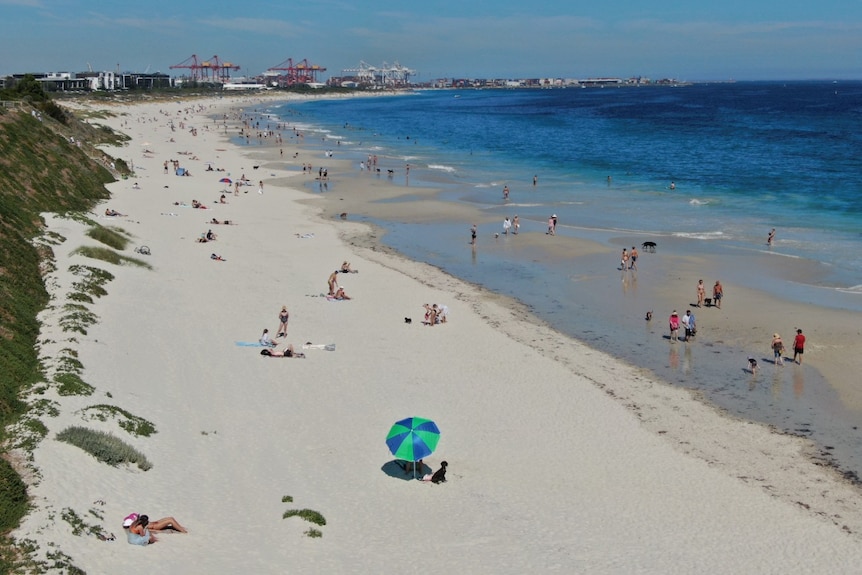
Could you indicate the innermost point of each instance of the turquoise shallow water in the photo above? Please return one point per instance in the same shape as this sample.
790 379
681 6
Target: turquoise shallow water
744 158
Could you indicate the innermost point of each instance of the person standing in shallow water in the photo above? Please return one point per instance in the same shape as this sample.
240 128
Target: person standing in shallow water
473 235
798 347
717 294
771 237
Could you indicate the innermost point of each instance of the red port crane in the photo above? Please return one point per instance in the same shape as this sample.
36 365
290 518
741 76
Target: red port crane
212 70
297 73
193 64
218 70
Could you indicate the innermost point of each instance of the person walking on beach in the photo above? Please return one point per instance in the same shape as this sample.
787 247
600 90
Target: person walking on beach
717 294
673 324
771 237
516 224
624 260
473 235
688 324
633 256
506 225
798 347
777 349
701 293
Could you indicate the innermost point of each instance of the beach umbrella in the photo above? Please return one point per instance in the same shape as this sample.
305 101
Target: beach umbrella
413 439
226 181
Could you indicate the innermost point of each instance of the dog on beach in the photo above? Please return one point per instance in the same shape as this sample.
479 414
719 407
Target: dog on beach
408 320
648 315
752 365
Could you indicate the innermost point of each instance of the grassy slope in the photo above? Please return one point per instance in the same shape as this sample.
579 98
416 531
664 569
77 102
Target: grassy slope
39 171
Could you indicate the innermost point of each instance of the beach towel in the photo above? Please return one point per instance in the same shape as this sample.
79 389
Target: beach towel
327 346
249 344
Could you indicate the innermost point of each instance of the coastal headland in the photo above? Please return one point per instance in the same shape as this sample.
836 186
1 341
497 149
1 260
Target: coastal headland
560 457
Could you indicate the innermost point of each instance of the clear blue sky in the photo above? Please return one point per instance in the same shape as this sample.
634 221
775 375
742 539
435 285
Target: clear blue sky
687 40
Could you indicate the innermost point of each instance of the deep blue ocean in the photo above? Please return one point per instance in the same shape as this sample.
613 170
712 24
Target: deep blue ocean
743 158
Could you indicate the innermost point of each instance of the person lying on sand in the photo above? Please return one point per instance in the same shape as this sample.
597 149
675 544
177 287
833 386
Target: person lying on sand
113 213
218 258
286 352
166 524
140 530
226 222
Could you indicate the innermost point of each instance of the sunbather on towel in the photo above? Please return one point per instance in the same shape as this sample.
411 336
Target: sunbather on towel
286 352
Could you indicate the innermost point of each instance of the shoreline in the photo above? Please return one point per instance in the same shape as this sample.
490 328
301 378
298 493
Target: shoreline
237 432
614 323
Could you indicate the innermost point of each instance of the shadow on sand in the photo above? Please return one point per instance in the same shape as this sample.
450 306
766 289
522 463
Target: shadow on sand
396 469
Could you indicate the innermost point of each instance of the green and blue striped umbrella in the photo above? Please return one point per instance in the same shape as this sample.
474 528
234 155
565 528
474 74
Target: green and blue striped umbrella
413 438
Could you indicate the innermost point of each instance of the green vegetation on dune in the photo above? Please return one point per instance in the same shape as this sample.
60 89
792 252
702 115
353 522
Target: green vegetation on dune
40 171
104 446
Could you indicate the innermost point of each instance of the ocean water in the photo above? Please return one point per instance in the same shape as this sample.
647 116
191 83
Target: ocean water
743 158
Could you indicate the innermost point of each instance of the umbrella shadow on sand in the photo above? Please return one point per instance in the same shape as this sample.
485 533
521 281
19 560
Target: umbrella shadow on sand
397 469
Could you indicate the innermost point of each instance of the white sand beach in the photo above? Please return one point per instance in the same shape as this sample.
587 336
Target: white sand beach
560 457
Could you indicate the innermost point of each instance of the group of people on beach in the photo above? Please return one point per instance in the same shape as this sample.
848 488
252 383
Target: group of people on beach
336 291
778 348
435 314
629 260
269 344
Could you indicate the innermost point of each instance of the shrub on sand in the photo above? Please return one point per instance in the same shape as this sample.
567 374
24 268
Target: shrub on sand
112 237
110 256
104 446
308 514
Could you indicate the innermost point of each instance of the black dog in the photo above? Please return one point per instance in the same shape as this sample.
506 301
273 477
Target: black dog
408 320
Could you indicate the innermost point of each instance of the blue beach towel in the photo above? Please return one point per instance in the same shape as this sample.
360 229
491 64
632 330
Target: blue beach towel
249 344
